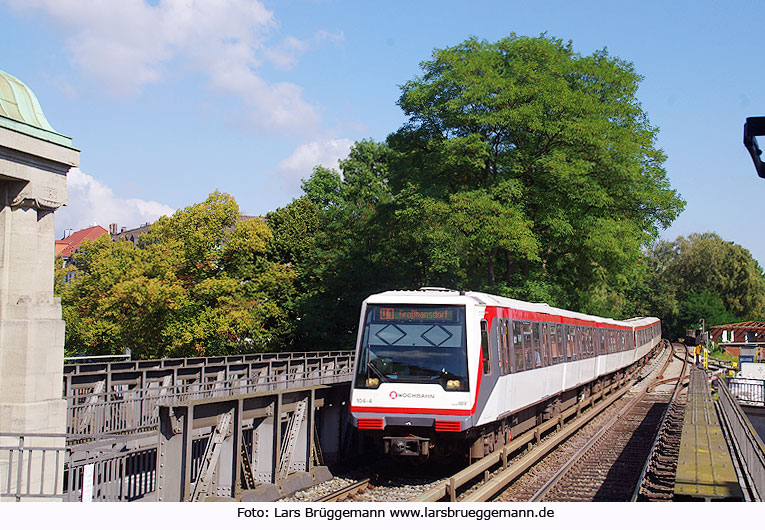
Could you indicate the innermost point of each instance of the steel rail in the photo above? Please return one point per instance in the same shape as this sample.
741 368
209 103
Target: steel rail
540 493
500 481
347 492
662 425
448 487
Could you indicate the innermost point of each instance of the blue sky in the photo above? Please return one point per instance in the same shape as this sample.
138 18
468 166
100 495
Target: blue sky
171 99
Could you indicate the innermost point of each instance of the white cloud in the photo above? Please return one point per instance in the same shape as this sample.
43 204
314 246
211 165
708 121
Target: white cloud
307 156
128 44
93 203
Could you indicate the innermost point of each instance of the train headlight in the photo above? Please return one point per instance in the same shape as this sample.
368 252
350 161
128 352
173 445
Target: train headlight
453 384
373 382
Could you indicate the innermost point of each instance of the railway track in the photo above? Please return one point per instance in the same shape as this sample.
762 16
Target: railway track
659 479
628 455
489 478
373 483
348 492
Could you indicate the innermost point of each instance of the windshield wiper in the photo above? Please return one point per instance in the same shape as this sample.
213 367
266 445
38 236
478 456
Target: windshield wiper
375 370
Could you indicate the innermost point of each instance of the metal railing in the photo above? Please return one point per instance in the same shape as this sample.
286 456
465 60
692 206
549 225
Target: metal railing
31 466
122 468
750 446
109 452
136 410
747 391
86 375
105 470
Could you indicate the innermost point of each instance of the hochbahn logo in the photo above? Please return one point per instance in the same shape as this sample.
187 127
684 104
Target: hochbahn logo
394 395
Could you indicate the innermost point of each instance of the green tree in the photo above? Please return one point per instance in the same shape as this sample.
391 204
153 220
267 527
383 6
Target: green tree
335 238
524 169
706 305
703 276
198 283
566 134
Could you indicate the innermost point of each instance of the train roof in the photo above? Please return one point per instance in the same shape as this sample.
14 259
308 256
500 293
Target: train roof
450 296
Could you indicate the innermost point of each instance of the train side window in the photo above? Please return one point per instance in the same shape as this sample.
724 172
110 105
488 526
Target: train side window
554 345
517 344
570 350
593 342
561 351
565 352
537 344
545 344
504 360
602 336
528 356
485 354
498 334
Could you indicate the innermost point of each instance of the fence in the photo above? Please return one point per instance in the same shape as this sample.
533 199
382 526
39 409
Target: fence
31 466
105 470
134 410
749 445
128 467
747 391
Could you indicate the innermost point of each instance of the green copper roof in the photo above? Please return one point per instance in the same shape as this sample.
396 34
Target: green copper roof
20 111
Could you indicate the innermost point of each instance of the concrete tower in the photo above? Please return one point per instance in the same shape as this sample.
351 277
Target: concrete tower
34 160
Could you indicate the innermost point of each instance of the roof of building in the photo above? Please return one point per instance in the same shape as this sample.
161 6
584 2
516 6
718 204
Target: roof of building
132 234
73 242
21 112
751 325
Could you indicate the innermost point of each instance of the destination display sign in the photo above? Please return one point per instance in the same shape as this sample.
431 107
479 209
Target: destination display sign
422 314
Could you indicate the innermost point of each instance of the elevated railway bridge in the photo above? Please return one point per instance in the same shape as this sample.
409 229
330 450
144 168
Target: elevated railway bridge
261 426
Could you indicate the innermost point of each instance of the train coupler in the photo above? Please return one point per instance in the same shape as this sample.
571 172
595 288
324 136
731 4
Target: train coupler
406 446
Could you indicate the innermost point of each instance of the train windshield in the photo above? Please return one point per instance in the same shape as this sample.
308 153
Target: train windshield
413 344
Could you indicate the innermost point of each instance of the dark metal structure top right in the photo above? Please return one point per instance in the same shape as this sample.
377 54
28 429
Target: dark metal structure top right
755 126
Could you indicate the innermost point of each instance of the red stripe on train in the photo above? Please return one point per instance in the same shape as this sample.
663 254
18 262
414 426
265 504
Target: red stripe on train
411 410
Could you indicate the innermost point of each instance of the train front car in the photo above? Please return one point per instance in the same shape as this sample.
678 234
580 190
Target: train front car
416 371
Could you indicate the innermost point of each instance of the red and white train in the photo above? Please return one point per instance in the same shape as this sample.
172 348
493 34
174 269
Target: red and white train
438 370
